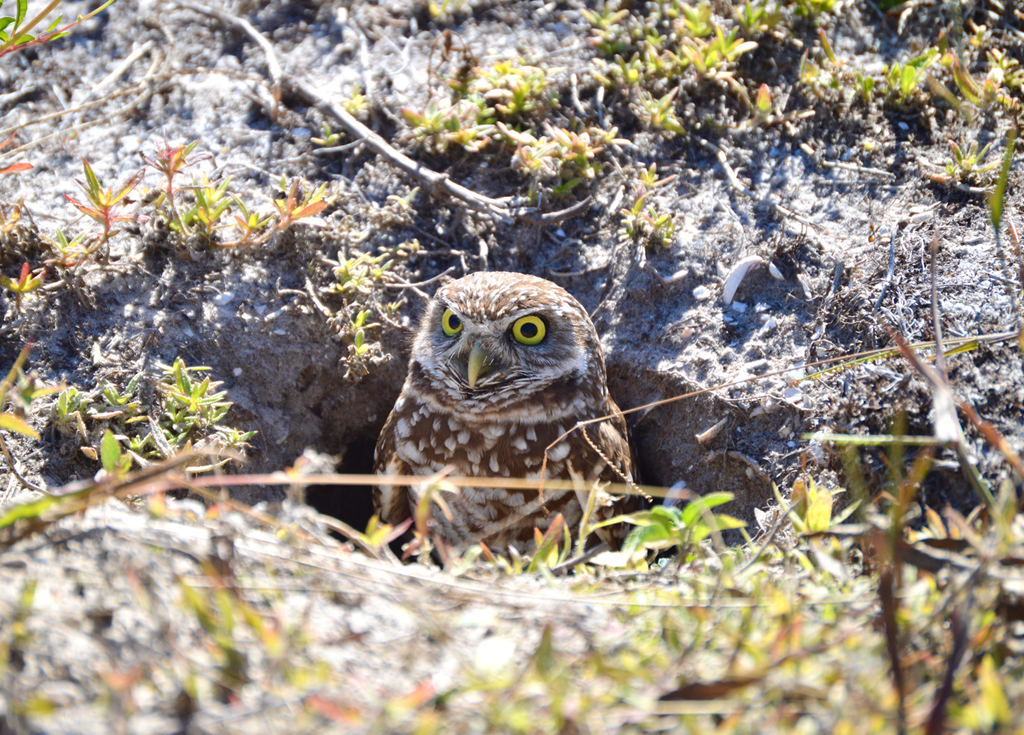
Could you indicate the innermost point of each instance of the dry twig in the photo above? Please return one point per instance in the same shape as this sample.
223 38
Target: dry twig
14 470
892 267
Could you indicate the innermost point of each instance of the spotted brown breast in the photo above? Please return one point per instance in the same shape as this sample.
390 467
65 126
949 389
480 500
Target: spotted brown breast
503 365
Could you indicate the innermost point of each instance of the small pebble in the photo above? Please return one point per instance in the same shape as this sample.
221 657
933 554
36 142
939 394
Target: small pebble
678 275
769 325
702 293
806 285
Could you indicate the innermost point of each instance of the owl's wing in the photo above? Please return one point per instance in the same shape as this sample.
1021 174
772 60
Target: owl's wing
390 502
614 442
612 438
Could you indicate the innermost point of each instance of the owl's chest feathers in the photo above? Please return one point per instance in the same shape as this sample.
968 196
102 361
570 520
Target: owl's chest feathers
430 441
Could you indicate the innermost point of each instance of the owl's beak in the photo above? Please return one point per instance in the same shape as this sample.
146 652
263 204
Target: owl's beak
478 365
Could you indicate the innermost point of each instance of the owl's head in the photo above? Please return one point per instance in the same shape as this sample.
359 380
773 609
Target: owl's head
490 340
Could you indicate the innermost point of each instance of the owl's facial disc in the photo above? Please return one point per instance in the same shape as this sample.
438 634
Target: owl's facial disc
506 347
482 354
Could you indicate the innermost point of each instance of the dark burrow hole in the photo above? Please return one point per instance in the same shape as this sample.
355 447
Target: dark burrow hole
351 504
644 470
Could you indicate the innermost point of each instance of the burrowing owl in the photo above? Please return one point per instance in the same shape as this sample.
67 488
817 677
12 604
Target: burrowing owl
503 364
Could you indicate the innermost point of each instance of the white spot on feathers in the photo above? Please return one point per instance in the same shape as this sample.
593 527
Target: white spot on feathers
411 454
559 452
513 500
496 431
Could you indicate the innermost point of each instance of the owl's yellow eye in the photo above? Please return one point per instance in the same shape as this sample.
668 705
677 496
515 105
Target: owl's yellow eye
529 330
450 323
